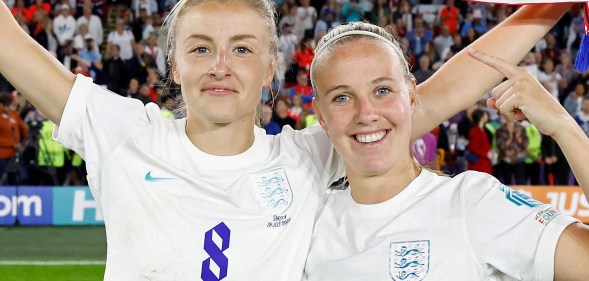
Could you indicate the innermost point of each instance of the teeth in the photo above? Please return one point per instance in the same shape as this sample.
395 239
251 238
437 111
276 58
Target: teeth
370 137
218 90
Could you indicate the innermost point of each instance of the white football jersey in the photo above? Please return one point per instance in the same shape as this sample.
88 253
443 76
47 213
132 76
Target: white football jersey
173 212
470 227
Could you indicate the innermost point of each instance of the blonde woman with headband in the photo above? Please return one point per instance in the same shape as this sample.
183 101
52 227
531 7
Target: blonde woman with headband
211 196
400 221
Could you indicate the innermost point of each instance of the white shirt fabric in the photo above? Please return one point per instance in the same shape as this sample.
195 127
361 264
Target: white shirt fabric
470 227
306 15
94 27
164 201
124 41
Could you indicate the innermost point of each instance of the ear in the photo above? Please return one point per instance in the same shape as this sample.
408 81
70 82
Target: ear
175 75
270 72
412 94
319 114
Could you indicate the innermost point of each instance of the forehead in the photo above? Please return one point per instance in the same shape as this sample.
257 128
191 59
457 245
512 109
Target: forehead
221 18
359 59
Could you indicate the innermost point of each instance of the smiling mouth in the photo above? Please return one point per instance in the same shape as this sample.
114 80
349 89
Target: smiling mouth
219 91
372 137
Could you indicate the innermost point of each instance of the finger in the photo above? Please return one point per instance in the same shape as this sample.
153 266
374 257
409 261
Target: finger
498 91
491 103
507 69
500 100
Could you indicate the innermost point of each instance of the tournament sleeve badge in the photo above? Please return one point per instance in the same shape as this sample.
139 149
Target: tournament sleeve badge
273 191
409 260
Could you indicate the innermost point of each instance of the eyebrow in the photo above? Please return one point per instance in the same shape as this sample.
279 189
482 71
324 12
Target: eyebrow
233 38
375 81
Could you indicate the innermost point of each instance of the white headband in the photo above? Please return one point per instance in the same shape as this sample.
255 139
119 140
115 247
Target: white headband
347 33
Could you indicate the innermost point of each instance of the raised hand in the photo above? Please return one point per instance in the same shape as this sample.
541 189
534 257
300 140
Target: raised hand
522 96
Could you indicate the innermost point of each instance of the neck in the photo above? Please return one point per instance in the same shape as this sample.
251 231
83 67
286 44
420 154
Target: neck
374 189
221 139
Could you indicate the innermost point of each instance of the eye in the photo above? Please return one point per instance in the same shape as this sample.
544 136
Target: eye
340 98
382 91
201 50
242 50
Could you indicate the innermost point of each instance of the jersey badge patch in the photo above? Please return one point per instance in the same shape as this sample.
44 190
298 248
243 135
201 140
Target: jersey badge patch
519 198
545 215
409 260
273 191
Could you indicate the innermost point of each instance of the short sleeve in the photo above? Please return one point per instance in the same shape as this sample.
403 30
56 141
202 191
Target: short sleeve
328 162
95 121
510 232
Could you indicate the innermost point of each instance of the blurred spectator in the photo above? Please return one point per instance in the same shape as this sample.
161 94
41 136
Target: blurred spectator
280 115
80 38
419 36
443 41
64 25
471 36
149 6
290 17
288 45
566 69
21 9
573 101
405 15
449 15
424 71
132 88
549 76
556 168
92 22
122 37
333 7
68 55
551 50
534 151
156 53
324 24
114 69
270 126
144 93
12 131
304 54
148 28
583 116
41 6
479 153
352 11
512 141
295 110
381 12
307 16
136 65
474 21
302 89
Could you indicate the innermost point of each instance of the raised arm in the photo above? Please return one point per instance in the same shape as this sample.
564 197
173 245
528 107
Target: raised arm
522 96
462 81
32 70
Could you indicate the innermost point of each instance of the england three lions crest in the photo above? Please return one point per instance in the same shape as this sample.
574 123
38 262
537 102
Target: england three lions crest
409 261
273 191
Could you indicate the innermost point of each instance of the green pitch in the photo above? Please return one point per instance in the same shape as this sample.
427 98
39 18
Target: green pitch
52 253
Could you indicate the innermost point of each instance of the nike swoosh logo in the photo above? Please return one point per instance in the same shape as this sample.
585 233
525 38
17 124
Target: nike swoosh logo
149 178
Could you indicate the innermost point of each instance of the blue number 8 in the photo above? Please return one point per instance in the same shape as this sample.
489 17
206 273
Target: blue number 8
216 253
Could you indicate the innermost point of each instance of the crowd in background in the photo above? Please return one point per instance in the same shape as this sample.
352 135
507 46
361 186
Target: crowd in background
117 43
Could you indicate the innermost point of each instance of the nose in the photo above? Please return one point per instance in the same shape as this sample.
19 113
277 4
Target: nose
366 112
220 67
